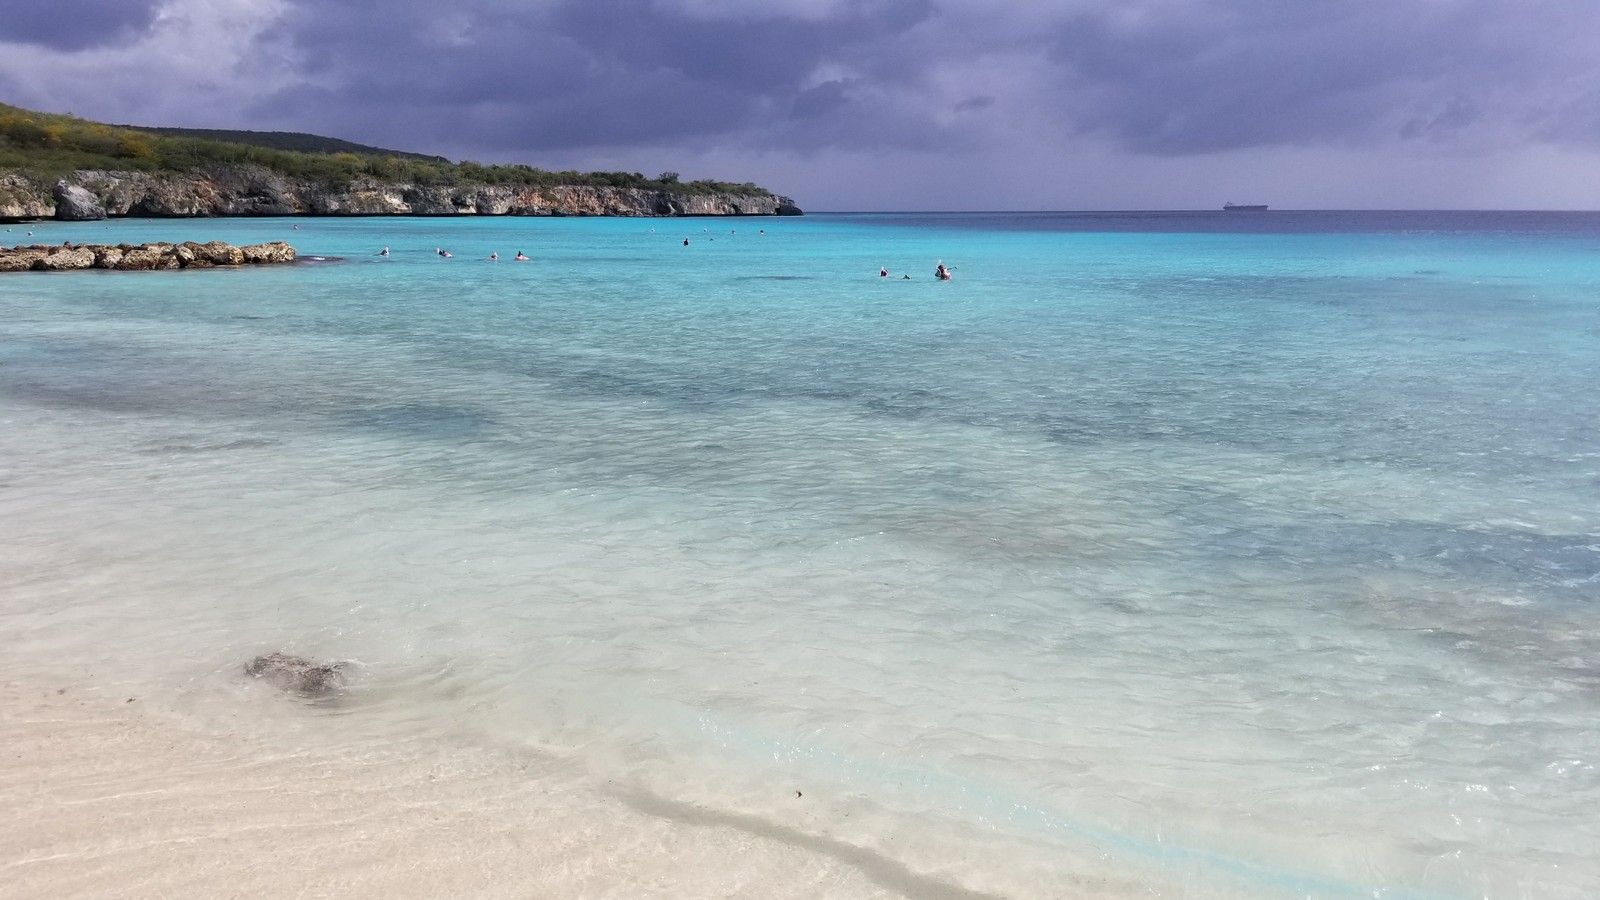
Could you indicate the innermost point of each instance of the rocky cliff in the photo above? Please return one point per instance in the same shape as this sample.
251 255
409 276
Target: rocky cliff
257 191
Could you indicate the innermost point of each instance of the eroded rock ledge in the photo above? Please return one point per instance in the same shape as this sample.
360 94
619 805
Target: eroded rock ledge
132 257
257 191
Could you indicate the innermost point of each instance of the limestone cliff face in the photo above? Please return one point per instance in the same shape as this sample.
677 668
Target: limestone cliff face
22 199
254 191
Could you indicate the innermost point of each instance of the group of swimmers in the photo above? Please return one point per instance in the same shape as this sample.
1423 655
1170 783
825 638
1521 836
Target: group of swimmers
708 231
942 272
523 257
446 254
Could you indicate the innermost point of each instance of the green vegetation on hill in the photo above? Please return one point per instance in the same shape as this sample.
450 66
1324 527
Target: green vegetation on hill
46 146
295 141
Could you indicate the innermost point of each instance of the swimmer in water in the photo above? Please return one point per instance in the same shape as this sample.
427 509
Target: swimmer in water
384 252
521 257
493 257
882 272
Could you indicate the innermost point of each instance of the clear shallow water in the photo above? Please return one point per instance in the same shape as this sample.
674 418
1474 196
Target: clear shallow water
1192 555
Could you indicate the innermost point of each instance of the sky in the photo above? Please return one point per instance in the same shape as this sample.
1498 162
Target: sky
883 104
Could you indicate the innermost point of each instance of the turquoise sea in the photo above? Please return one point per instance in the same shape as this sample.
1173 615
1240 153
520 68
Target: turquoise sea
1155 555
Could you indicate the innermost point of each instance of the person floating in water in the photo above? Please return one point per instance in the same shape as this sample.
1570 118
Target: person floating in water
493 257
882 272
686 242
942 273
384 252
444 253
521 257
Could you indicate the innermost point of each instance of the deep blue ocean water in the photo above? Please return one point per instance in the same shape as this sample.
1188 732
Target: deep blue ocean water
1190 554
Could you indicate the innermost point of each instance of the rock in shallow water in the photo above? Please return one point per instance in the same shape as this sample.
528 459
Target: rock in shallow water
74 204
297 675
127 257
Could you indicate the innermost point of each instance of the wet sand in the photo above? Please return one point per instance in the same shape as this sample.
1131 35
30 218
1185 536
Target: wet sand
106 797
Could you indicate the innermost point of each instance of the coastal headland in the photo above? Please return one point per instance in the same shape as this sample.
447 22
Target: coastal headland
135 257
70 169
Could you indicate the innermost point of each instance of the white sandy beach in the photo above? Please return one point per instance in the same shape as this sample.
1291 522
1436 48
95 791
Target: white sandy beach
102 798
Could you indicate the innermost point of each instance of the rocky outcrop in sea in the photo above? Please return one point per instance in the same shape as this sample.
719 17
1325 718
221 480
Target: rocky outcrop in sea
133 257
258 191
295 675
75 204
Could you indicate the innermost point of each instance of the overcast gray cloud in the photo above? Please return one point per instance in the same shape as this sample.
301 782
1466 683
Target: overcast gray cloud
576 74
1064 103
1246 73
74 24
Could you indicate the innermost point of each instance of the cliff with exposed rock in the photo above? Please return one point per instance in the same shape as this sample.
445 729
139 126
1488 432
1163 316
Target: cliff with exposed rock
259 191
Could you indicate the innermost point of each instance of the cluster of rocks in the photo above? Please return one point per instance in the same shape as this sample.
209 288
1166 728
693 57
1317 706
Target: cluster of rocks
131 257
246 190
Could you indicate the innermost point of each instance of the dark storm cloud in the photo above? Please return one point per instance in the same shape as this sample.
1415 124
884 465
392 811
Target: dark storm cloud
73 24
1250 73
821 100
574 73
759 56
1165 77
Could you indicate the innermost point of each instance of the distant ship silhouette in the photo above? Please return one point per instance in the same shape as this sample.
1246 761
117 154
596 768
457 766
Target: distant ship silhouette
1244 207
